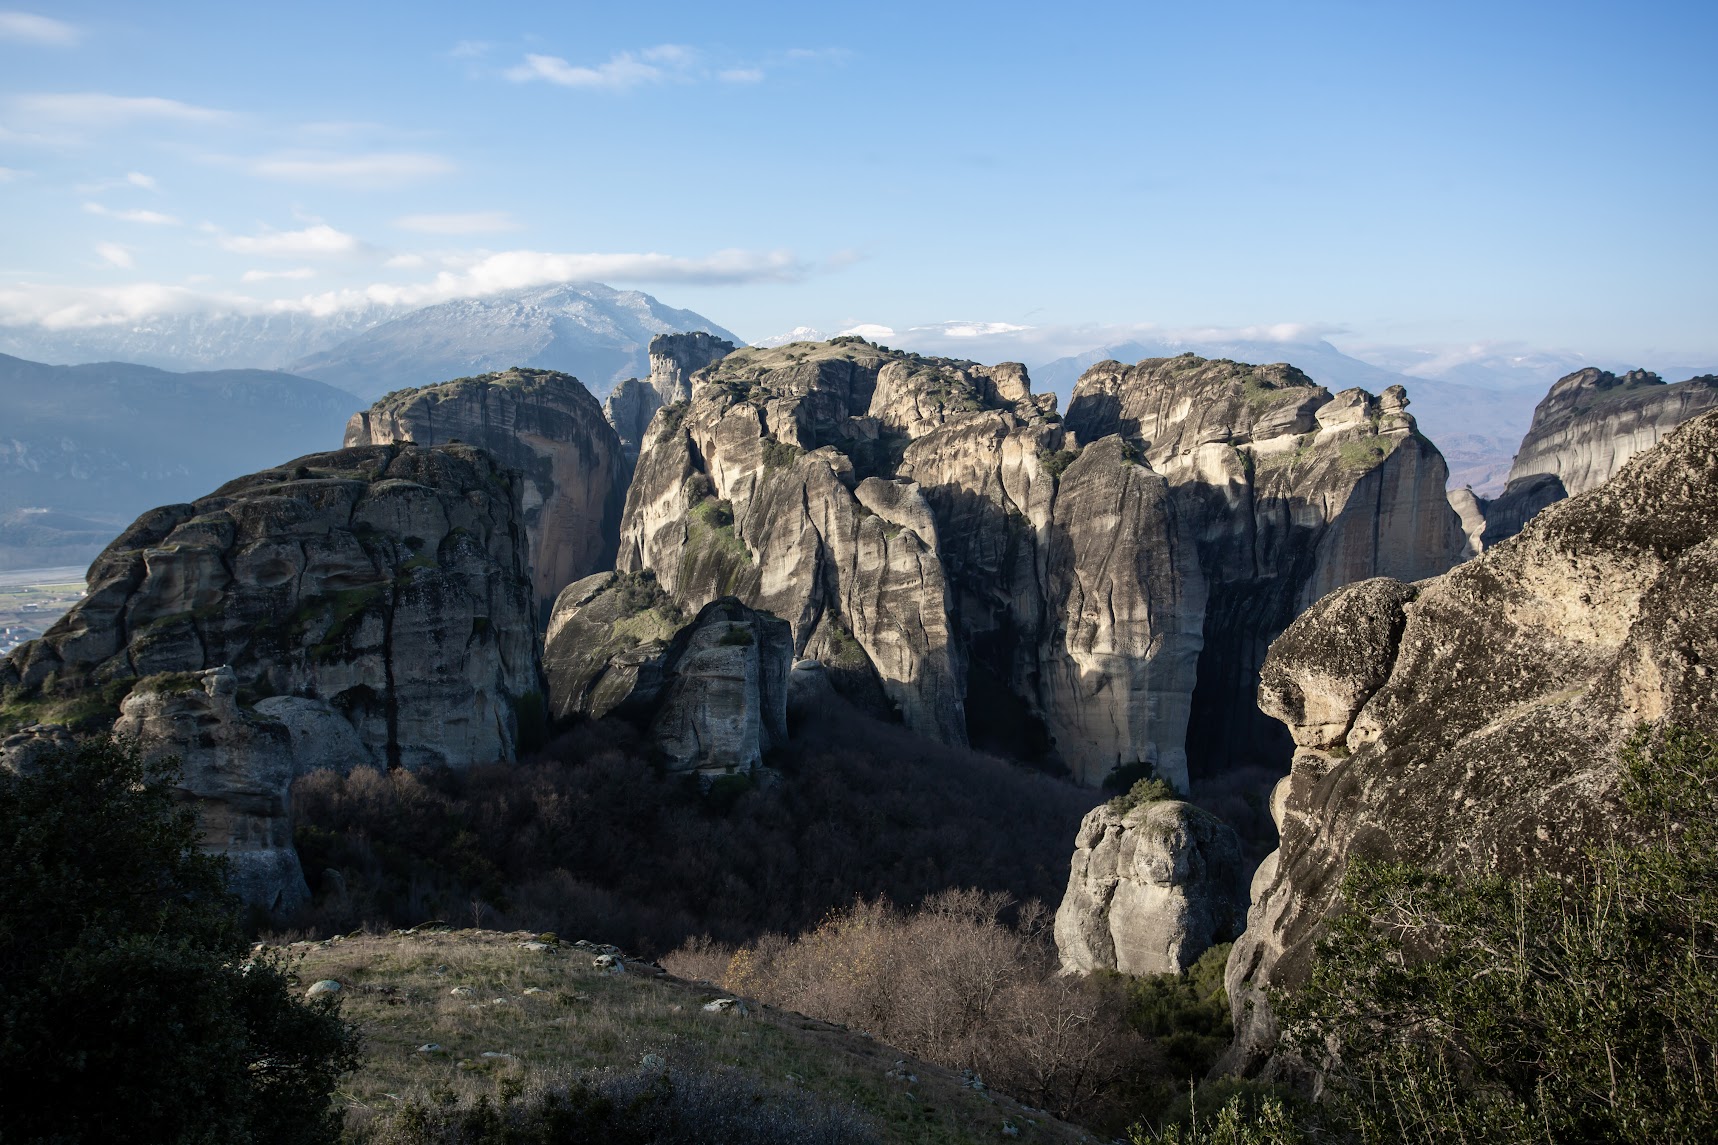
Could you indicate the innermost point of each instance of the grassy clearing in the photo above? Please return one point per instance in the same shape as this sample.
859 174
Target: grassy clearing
399 989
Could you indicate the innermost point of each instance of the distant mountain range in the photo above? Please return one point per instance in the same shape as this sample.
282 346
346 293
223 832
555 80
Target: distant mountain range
84 449
590 330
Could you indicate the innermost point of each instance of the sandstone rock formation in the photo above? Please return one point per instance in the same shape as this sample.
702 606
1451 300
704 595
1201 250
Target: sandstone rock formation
238 765
1475 719
389 582
941 542
674 358
1583 431
712 691
1151 888
547 426
1282 492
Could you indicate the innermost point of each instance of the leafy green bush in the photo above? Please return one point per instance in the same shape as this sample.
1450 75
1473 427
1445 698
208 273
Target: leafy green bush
1475 1007
1143 791
779 455
1056 462
130 1012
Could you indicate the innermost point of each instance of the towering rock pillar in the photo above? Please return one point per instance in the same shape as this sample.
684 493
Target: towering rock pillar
547 426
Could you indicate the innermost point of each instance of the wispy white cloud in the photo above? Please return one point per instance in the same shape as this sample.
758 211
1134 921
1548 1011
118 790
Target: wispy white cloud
741 75
115 255
458 223
513 270
131 180
317 241
376 170
29 28
297 272
470 49
622 71
59 307
100 109
153 218
8 174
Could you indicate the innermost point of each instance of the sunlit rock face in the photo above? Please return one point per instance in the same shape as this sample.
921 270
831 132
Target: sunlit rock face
548 427
389 582
712 690
674 358
1584 431
1150 889
1475 719
1282 492
953 552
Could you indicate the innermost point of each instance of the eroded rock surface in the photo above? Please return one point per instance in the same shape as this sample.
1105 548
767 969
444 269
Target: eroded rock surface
237 765
1475 719
713 691
949 550
1150 889
542 423
674 358
389 582
1584 431
1283 492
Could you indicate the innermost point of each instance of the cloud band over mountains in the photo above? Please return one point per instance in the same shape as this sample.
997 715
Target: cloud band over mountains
65 308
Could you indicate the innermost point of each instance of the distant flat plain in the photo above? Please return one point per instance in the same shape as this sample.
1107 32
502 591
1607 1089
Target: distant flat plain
32 599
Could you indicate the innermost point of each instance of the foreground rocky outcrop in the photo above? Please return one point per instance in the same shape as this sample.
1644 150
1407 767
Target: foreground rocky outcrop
1150 889
1475 719
953 552
388 582
674 358
1584 431
238 764
542 423
713 691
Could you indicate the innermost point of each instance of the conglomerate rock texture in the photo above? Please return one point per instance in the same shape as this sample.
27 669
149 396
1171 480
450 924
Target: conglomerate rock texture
1474 720
389 582
542 423
1584 430
1150 889
948 548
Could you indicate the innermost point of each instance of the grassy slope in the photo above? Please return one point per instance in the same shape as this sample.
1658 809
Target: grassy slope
398 988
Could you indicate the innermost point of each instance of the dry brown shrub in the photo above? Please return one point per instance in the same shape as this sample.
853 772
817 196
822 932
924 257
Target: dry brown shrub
950 983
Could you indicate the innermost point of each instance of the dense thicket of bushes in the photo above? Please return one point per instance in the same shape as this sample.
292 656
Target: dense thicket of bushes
129 1011
589 839
950 983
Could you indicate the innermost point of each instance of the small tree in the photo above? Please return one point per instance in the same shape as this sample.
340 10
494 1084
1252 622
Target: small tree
129 1011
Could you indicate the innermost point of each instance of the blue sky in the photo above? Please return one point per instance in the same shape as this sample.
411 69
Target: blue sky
1389 172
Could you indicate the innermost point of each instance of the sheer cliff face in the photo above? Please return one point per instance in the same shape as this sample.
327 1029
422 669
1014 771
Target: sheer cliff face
674 358
1584 431
1284 493
388 583
935 534
1475 718
547 426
